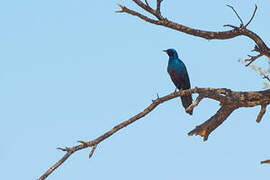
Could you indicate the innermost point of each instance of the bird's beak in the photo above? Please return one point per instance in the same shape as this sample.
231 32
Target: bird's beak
165 51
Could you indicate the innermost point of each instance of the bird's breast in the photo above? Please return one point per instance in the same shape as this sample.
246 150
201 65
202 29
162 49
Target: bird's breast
174 76
175 66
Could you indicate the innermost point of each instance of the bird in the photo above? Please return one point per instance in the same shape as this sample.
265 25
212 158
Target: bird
179 76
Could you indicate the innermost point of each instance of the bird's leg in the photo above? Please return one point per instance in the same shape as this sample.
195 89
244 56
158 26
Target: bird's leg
175 91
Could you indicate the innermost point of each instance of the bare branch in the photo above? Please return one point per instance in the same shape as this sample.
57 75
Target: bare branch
92 151
266 77
146 2
232 26
256 68
252 59
241 22
236 31
134 13
147 8
265 162
64 149
251 16
84 143
210 125
228 99
158 7
262 112
56 165
194 104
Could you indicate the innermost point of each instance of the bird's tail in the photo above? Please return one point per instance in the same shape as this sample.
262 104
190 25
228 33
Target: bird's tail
186 101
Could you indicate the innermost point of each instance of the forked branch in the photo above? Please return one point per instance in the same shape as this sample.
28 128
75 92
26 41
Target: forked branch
229 101
210 125
242 30
252 59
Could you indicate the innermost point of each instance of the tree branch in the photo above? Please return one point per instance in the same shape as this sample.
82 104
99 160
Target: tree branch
241 22
158 8
236 31
262 112
252 59
229 101
252 16
194 104
210 125
266 77
265 162
134 13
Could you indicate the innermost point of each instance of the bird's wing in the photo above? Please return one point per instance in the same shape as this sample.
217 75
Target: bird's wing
180 80
187 81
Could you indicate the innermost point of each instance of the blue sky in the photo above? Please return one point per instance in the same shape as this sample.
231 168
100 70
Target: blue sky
71 70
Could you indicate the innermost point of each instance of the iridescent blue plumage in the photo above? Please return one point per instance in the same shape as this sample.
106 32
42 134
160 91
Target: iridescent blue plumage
178 73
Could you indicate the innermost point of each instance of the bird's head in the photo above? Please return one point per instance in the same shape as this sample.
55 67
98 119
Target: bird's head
171 53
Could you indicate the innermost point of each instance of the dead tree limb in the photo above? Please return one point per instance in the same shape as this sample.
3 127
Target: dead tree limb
242 30
265 162
229 101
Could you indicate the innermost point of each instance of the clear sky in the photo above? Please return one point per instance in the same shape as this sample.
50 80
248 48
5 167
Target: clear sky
71 70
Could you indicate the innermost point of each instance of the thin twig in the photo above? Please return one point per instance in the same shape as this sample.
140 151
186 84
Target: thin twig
265 162
64 149
56 165
236 15
84 143
92 151
146 2
262 112
256 49
149 9
266 77
232 26
158 6
134 13
145 7
252 58
251 16
194 104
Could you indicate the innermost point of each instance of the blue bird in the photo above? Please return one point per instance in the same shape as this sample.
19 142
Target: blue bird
178 73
